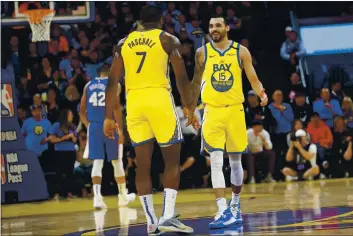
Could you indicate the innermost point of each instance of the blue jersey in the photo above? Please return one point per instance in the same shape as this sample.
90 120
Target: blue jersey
95 92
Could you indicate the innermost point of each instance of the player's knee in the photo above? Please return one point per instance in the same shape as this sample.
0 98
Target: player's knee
216 159
235 161
217 176
97 168
118 168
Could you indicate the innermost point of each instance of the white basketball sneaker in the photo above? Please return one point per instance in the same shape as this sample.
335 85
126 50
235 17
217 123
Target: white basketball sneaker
98 203
125 199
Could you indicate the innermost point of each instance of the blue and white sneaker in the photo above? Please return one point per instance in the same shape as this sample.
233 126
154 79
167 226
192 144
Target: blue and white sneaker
232 215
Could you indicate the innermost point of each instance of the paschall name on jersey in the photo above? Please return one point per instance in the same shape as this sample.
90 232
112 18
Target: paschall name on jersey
97 86
142 41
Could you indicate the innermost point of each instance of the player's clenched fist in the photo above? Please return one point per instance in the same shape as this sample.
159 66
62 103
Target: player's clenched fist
109 127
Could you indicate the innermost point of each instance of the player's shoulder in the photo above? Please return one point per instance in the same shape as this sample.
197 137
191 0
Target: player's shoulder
169 42
243 51
201 50
88 84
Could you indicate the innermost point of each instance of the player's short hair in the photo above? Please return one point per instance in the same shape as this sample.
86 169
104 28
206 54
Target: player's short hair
226 22
150 14
104 69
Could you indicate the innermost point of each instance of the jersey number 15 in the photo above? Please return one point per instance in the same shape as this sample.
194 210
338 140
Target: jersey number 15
97 99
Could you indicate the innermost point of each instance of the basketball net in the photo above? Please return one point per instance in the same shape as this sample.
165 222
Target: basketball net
39 21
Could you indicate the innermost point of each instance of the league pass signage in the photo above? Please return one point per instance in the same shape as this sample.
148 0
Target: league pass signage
12 173
20 169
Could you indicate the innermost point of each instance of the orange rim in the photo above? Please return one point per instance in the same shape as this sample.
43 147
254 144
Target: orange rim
36 16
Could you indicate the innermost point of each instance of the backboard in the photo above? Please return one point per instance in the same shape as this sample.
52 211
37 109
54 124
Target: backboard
67 12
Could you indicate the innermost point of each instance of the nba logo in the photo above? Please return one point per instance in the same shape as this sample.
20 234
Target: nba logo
7 109
3 173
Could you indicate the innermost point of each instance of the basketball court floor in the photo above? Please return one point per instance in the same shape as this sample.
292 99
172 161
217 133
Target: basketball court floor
322 207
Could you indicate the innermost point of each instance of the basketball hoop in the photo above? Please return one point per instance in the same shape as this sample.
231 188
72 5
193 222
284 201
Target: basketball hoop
40 20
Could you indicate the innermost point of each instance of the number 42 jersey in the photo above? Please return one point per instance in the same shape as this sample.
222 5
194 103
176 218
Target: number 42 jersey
95 92
145 61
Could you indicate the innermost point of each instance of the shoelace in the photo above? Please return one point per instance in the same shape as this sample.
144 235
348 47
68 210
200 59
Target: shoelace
218 215
235 209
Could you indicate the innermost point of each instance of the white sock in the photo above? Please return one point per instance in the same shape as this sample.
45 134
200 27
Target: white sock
147 203
169 202
222 204
122 189
235 198
97 190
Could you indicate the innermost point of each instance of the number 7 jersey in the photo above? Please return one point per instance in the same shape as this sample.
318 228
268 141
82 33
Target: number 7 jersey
145 61
95 92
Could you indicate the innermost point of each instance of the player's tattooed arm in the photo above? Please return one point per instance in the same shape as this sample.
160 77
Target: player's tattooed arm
83 107
250 72
172 46
116 71
198 71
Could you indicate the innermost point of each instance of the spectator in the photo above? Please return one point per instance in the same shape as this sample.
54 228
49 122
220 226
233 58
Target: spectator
78 74
24 92
33 57
327 108
93 65
172 10
37 101
282 112
301 109
83 171
35 130
296 125
347 108
254 111
340 163
58 42
195 33
283 115
301 158
260 149
320 134
71 101
234 23
44 76
292 49
295 86
336 91
181 24
63 136
15 56
58 83
52 107
22 114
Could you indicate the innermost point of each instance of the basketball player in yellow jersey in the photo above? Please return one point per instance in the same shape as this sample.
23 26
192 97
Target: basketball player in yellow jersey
144 56
218 71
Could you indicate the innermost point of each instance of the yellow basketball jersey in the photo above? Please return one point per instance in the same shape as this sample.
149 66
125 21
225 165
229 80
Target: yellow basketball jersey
221 80
145 61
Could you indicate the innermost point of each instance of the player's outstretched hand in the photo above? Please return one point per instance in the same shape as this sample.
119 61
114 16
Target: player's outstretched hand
109 128
264 98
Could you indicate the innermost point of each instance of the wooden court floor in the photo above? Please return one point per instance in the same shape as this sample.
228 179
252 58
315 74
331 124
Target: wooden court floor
323 207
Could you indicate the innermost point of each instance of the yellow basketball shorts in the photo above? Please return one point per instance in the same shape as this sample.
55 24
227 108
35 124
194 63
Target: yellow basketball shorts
151 115
224 128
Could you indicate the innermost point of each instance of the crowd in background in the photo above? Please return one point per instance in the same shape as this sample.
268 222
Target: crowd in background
50 78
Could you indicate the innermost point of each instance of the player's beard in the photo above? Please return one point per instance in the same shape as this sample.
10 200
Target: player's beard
220 35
